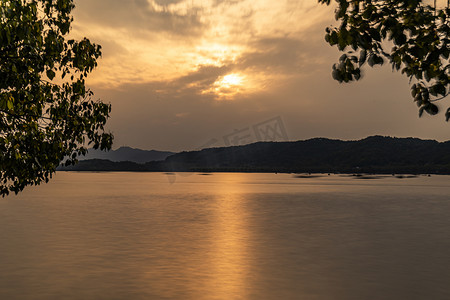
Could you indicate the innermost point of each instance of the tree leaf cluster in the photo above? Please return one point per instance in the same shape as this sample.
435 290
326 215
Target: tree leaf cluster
413 37
46 111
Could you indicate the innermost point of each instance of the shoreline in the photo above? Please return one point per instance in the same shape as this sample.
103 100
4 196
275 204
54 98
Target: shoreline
362 175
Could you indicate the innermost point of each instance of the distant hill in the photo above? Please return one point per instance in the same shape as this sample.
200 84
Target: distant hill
374 154
103 165
127 154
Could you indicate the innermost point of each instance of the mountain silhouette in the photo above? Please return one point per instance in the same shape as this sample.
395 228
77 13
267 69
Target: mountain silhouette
375 154
127 154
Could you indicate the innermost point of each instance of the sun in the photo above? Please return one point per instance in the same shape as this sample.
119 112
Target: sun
230 80
228 86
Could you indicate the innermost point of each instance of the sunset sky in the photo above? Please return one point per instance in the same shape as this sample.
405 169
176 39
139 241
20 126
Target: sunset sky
180 73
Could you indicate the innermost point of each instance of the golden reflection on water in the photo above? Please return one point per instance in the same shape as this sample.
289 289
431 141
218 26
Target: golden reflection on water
230 243
205 254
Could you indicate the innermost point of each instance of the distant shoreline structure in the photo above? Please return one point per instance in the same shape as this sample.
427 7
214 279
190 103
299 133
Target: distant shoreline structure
372 155
364 176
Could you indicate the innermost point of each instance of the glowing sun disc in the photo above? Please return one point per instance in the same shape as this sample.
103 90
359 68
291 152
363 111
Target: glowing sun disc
231 80
228 86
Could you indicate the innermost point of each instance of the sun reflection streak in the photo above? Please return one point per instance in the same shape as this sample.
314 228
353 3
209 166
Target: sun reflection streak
231 247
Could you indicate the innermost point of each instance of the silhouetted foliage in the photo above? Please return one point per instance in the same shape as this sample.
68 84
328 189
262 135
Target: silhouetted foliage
46 111
419 44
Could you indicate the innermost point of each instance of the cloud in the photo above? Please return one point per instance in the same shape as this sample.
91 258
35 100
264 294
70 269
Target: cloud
274 54
167 2
139 17
148 40
203 76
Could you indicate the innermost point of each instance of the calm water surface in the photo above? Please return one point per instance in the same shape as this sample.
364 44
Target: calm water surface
226 236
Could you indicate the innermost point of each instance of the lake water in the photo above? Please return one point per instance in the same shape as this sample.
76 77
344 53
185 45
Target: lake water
226 236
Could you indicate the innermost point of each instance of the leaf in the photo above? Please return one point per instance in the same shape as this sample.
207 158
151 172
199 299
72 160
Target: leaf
431 109
371 60
421 111
357 75
362 57
10 103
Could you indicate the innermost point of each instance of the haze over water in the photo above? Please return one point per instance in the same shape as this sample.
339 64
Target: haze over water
226 236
